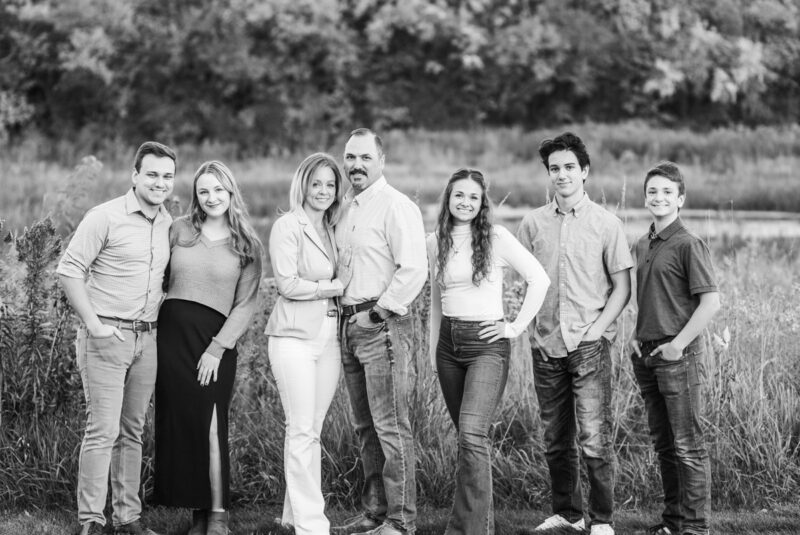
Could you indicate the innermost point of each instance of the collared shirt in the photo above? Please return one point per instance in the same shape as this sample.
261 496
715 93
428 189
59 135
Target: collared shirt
673 268
124 254
579 250
384 229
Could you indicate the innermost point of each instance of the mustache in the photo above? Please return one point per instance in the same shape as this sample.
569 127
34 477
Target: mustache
357 172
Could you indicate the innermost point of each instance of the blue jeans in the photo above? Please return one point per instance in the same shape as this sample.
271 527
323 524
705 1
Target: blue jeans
118 381
472 374
673 396
377 363
574 395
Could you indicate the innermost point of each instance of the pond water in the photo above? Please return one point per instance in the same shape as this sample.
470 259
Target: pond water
706 223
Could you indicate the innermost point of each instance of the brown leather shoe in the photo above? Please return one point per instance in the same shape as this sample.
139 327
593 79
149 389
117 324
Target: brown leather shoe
218 523
360 522
199 522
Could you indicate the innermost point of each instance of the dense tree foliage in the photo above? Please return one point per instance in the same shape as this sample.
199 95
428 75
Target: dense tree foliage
276 74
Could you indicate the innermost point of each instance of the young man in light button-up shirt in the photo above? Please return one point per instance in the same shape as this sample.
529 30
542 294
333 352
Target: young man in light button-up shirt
383 228
112 273
583 249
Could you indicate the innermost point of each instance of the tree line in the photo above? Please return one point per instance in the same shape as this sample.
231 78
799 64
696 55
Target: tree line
267 75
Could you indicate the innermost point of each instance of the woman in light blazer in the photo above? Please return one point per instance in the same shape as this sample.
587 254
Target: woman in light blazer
302 328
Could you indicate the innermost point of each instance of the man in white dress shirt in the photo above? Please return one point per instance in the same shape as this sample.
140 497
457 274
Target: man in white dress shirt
383 228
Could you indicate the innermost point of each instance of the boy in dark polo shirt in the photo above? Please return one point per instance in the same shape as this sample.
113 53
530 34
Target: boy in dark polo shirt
677 296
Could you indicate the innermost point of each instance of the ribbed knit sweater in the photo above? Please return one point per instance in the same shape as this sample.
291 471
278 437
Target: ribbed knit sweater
208 272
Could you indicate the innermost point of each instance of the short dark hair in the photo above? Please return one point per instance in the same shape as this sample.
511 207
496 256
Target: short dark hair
156 149
368 132
566 141
668 170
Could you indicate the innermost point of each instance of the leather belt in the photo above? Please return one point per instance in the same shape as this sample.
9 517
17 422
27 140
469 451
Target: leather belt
349 310
137 326
650 345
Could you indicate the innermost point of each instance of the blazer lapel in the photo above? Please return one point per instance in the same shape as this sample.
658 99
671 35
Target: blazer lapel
332 238
308 230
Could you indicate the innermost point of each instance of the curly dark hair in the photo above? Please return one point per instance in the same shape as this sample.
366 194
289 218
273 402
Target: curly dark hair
566 141
481 227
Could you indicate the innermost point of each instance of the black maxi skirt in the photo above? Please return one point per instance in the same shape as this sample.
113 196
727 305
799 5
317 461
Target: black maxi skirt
184 408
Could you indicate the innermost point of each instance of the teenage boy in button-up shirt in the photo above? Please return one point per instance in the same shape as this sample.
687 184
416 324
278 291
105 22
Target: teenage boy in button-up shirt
676 293
112 273
583 249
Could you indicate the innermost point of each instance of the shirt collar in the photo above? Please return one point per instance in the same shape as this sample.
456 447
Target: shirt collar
665 234
132 205
369 193
576 210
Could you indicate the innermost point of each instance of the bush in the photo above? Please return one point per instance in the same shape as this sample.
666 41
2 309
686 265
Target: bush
753 412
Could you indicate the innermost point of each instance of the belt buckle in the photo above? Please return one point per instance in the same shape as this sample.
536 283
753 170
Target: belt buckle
140 326
332 313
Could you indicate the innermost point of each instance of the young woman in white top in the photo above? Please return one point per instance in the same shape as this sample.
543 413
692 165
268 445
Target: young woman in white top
469 337
302 328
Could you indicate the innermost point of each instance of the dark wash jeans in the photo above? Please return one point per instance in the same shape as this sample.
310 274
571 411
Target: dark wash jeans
673 394
574 395
472 373
377 364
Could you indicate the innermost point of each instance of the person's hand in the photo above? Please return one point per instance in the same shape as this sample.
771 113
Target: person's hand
207 369
362 320
591 335
102 330
493 330
344 267
634 343
668 351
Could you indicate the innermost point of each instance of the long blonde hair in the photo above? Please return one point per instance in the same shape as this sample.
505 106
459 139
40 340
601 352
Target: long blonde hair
244 239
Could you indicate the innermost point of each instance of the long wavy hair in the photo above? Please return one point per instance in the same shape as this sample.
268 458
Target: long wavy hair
302 177
481 227
244 239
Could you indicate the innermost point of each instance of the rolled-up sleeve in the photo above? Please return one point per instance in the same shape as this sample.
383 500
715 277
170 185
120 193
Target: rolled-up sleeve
406 239
86 244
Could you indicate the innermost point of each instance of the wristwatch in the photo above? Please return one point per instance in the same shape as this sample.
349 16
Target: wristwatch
375 316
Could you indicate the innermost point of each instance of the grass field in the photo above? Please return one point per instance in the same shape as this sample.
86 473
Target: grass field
752 407
740 169
260 521
752 403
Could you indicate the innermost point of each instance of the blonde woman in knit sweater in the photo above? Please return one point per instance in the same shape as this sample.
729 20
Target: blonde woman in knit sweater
214 274
469 337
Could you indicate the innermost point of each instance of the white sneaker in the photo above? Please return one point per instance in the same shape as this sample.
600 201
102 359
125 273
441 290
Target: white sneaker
558 521
601 529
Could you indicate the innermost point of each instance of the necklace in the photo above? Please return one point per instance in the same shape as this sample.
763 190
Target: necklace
457 248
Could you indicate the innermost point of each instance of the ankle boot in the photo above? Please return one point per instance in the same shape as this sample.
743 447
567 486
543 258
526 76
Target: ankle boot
199 522
218 523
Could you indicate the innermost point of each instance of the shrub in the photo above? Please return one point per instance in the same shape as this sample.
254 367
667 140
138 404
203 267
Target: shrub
753 412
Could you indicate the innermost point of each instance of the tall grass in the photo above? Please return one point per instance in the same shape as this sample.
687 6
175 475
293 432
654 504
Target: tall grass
752 407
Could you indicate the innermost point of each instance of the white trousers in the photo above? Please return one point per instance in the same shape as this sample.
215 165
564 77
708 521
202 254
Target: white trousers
307 374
